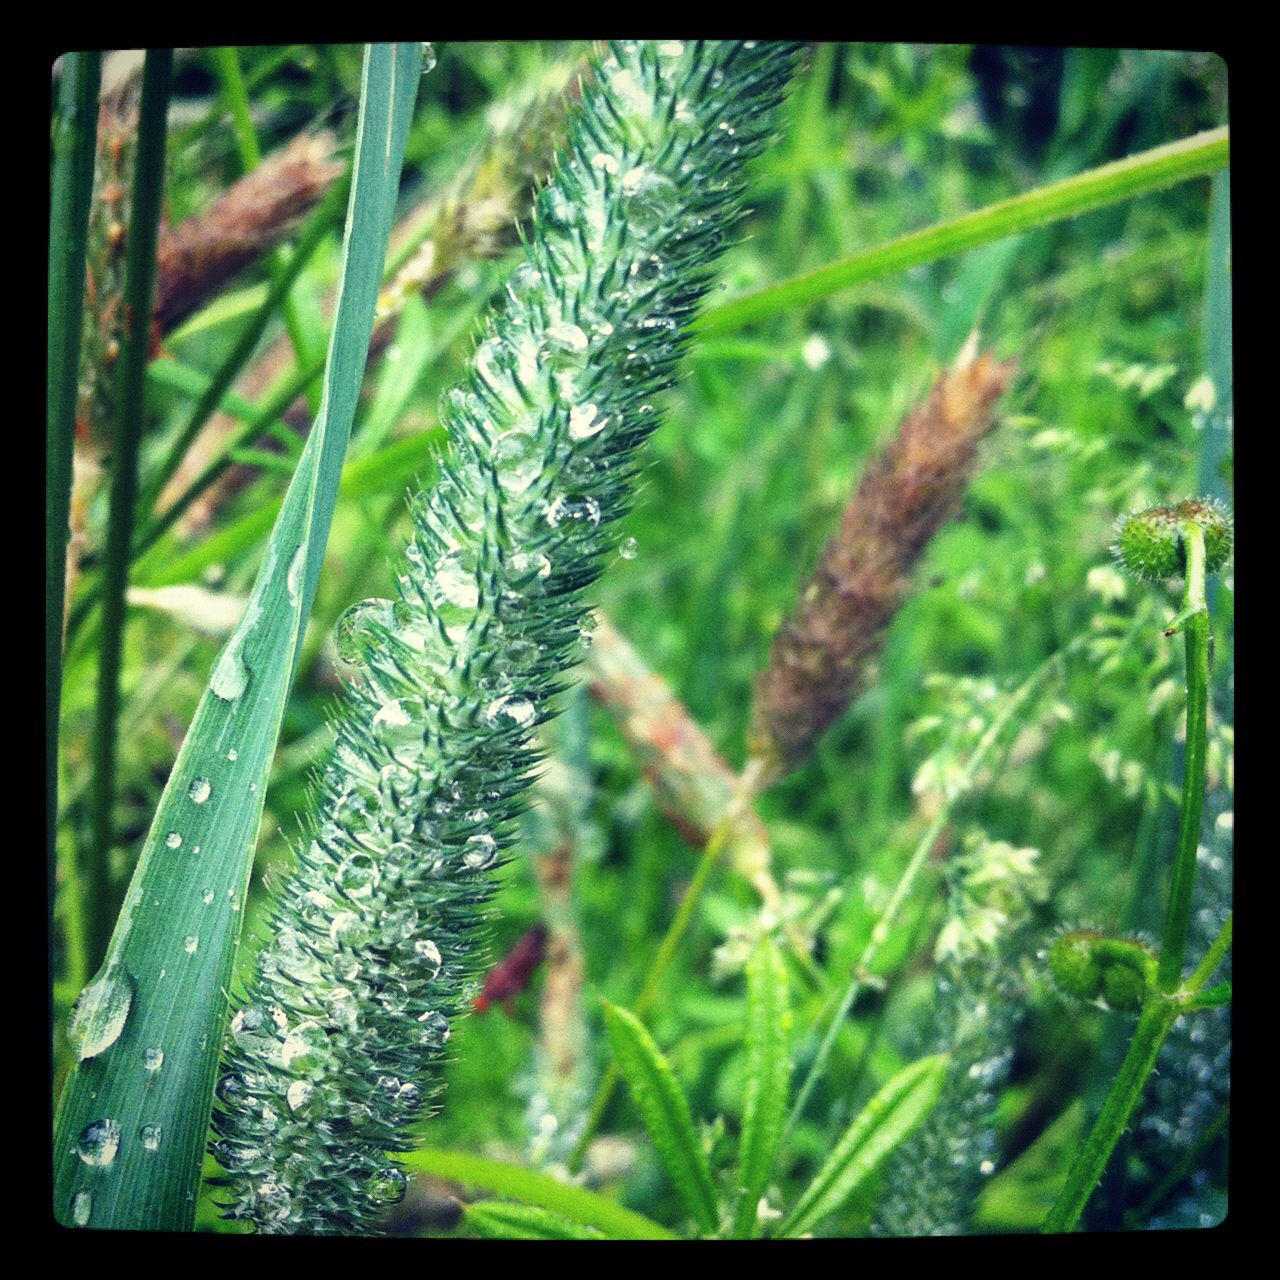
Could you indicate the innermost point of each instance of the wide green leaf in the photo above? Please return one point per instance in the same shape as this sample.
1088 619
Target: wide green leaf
881 1125
147 1031
764 1106
665 1112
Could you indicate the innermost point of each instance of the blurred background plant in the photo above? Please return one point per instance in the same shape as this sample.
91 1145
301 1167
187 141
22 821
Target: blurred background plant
1119 320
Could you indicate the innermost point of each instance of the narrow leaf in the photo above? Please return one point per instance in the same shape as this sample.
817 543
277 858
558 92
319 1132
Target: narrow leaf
501 1221
881 1125
135 1111
764 1108
586 1208
665 1112
1109 183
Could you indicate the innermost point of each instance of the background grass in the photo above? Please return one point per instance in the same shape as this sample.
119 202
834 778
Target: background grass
763 441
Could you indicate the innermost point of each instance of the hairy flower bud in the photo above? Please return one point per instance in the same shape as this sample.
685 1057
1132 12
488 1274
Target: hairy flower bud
1150 544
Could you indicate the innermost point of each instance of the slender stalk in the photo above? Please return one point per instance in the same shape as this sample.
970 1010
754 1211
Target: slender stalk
139 287
1157 1016
69 220
1121 180
1195 626
1162 1005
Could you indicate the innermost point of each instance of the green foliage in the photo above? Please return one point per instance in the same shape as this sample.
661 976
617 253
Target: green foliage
1119 321
142 1030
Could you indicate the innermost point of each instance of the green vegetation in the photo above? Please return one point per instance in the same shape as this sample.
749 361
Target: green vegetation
895 952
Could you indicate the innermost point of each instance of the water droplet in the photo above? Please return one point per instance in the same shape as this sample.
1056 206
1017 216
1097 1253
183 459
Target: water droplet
355 635
349 928
629 549
517 456
357 877
232 754
81 1208
670 48
190 943
435 1029
199 790
387 1186
565 345
480 852
173 840
230 675
456 593
428 955
572 507
99 1013
428 57
99 1142
151 1135
515 708
585 421
647 196
298 1095
293 578
153 1059
207 897
305 1048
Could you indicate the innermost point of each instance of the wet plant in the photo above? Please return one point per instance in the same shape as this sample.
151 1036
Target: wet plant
900 773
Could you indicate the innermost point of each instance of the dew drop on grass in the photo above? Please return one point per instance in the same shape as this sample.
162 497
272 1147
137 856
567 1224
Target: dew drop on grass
428 57
354 634
293 578
81 1208
151 1135
173 840
358 876
99 1142
480 852
298 1095
190 943
585 421
207 897
434 1029
232 754
629 549
230 675
153 1059
199 790
387 1186
99 1013
428 955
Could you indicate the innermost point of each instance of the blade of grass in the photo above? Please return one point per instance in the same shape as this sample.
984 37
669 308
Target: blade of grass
1192 157
764 1107
72 188
498 1221
665 1111
883 1123
134 1115
588 1208
140 275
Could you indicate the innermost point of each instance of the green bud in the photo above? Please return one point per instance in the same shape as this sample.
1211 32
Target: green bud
1150 544
1072 963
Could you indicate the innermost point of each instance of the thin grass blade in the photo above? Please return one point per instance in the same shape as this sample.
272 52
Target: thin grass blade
586 1208
665 1112
500 1221
764 1108
1109 183
135 1111
72 185
881 1125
